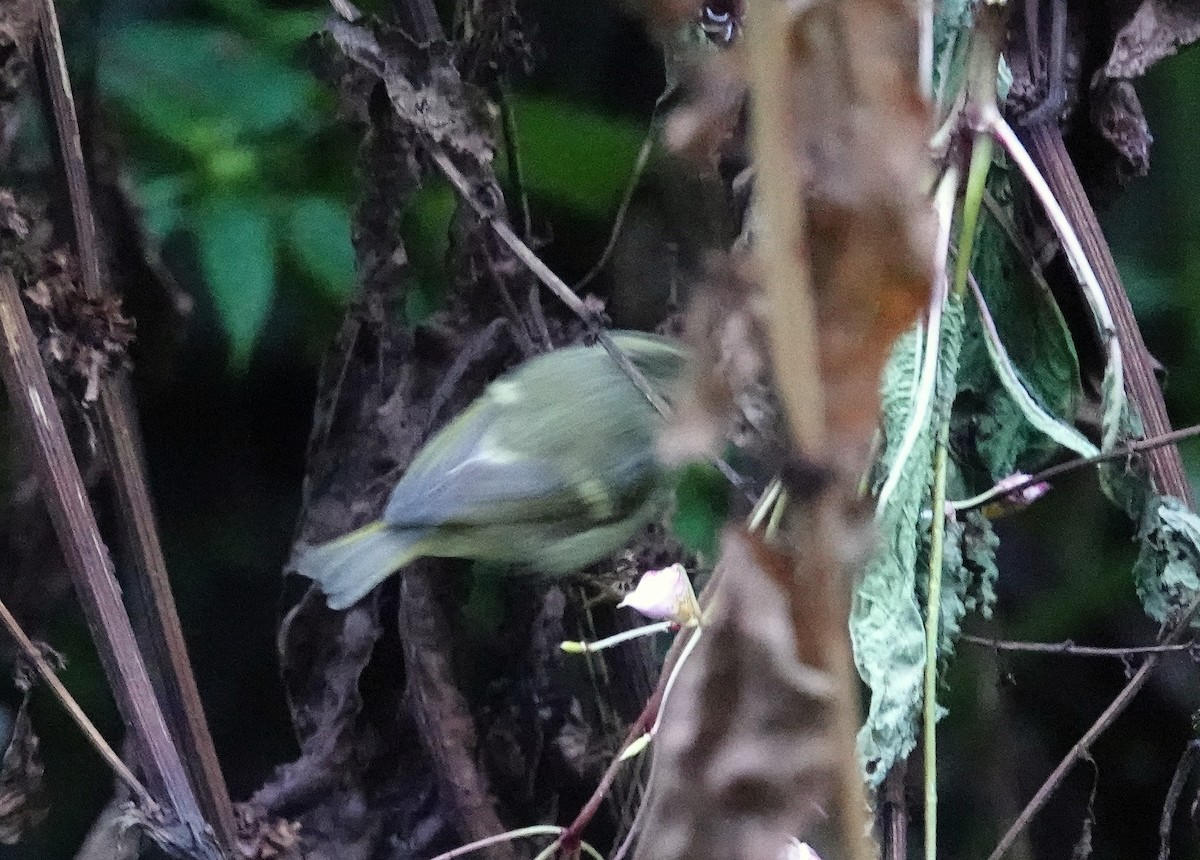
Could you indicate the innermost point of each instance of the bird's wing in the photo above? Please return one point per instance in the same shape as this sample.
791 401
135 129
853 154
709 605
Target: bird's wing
479 480
465 475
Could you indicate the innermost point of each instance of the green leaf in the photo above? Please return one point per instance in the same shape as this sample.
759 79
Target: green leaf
1165 573
201 88
1039 348
886 624
237 255
160 200
701 507
1010 378
573 156
951 27
318 234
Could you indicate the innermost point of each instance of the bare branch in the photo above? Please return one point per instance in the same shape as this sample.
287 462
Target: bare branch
46 672
1070 649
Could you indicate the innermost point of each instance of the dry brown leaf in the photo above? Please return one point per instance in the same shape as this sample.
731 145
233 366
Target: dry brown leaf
857 131
23 803
861 128
724 397
743 759
1108 45
83 336
425 89
263 837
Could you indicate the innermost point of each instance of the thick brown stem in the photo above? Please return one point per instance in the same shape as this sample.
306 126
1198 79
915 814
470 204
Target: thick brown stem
1165 466
32 402
149 587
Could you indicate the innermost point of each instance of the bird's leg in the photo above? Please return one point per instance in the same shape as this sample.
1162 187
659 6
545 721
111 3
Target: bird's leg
1056 86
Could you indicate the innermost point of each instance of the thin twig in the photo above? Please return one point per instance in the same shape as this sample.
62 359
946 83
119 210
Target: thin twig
1138 447
933 614
544 274
46 672
1068 648
1083 745
512 153
639 167
645 720
507 836
1063 226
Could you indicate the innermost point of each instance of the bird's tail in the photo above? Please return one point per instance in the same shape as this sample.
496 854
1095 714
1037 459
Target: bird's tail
350 566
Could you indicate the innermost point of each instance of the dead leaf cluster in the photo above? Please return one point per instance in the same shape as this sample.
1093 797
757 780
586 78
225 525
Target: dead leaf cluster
1108 46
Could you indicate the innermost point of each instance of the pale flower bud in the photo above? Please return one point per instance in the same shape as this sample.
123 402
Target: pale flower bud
797 850
1026 495
664 595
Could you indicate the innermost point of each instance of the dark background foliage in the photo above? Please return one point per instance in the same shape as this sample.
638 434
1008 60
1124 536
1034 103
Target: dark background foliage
247 178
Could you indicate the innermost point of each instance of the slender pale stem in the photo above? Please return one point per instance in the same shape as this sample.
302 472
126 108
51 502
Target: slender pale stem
981 162
617 638
519 833
925 12
933 615
923 399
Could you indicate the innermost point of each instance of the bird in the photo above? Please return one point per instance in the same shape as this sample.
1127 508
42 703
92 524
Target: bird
550 469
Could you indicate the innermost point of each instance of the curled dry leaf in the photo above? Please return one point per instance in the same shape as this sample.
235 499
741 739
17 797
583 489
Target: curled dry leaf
860 134
725 396
23 803
80 336
83 336
742 758
262 837
1108 45
423 85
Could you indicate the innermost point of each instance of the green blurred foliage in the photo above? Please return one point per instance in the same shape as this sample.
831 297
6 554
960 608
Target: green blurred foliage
227 137
701 508
228 140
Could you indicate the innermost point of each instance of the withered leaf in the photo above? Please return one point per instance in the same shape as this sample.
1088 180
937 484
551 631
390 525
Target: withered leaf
1108 44
724 396
855 129
860 131
23 804
1157 29
83 336
423 85
743 758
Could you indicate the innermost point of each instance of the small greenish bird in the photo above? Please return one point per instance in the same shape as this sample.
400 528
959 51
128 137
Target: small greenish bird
552 468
